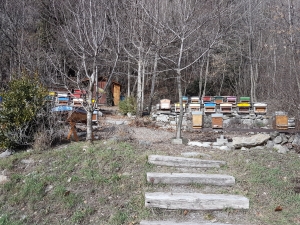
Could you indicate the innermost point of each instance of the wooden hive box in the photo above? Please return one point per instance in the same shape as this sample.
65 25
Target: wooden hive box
218 99
243 107
260 108
194 107
281 120
62 99
217 120
195 99
165 104
185 99
177 107
226 108
77 102
245 99
210 107
231 99
197 119
95 116
206 99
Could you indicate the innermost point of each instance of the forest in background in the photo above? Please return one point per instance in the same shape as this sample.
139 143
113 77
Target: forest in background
158 49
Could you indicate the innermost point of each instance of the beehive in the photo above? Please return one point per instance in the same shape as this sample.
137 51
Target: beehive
243 107
231 99
195 99
210 107
226 108
245 99
95 116
206 99
197 120
194 107
62 99
217 120
185 99
260 108
165 104
281 120
77 102
177 107
218 99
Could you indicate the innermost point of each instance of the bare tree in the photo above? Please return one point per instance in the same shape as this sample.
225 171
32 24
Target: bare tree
85 32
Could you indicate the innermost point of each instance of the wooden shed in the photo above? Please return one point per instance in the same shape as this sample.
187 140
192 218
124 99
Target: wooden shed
115 89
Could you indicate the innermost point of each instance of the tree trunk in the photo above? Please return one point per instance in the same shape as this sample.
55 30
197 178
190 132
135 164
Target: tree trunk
179 122
153 80
206 74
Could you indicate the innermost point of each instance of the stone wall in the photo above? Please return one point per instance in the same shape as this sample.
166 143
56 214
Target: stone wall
168 120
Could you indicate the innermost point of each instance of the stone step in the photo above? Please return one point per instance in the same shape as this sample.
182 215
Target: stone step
145 222
195 201
183 162
190 178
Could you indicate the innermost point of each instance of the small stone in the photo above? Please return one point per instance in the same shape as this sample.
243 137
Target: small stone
281 149
6 154
3 179
270 144
27 161
277 140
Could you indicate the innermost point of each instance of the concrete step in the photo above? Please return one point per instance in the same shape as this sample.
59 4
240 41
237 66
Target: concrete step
145 222
195 201
190 178
183 162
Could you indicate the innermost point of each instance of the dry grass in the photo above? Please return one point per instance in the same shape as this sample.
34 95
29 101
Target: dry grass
105 184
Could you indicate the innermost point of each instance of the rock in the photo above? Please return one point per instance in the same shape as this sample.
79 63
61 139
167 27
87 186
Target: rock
284 139
144 143
258 148
258 139
277 140
3 179
162 118
296 141
6 153
247 122
291 139
27 161
48 188
281 149
274 135
200 144
289 145
270 144
195 154
224 148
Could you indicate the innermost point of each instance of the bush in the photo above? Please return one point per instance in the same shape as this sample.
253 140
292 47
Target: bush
128 105
22 108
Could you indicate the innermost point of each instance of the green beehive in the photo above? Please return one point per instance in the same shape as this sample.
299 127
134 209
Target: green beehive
244 99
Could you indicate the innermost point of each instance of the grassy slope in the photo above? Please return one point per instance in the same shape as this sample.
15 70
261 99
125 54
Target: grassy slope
105 184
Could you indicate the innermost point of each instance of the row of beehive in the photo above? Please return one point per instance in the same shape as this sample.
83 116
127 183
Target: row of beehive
211 107
226 104
215 99
74 99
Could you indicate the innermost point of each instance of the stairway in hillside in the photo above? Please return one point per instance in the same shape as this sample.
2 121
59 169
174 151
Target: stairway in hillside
187 200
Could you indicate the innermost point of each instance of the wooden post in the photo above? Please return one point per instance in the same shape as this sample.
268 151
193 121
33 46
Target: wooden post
73 131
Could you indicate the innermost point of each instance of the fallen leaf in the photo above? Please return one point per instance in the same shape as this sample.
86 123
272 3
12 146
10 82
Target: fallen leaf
278 208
